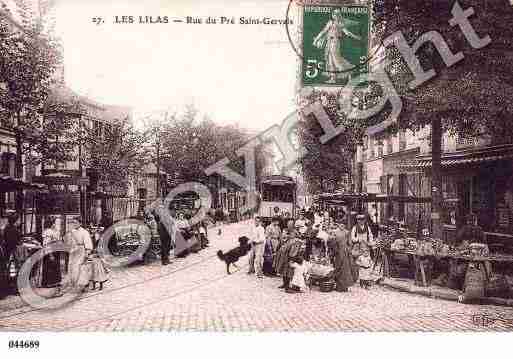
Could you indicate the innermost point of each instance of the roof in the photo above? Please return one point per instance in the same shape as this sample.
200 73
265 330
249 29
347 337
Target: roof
99 111
277 180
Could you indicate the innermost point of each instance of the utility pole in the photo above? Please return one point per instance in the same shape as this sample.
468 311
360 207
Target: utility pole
359 171
157 143
436 177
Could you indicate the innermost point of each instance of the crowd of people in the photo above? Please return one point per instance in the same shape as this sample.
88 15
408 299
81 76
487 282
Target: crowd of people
291 247
188 237
79 268
288 247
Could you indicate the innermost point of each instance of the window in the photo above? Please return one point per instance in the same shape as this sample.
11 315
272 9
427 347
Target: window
4 165
402 140
383 184
390 147
380 148
402 192
390 184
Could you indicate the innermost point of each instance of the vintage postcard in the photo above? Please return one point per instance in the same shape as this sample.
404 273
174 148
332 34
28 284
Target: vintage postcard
255 166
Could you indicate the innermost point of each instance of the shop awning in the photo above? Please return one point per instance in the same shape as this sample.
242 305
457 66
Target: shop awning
461 158
10 184
345 198
336 198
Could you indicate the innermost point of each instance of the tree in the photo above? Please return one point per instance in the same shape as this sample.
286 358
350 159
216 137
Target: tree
472 97
190 145
42 124
326 163
116 154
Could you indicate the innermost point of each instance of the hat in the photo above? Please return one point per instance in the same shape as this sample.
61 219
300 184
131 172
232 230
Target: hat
360 216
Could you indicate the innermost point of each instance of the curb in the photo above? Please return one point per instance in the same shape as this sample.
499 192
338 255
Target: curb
407 285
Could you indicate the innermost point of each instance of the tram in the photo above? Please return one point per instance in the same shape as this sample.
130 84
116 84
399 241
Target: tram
278 196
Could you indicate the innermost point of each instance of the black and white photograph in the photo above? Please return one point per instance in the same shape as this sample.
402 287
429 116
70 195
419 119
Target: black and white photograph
272 167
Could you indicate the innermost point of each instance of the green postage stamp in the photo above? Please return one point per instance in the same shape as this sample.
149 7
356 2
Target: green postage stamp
335 44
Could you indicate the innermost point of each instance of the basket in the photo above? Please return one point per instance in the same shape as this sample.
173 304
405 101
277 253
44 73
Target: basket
327 286
497 286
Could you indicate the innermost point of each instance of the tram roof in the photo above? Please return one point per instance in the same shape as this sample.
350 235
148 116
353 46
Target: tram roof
278 180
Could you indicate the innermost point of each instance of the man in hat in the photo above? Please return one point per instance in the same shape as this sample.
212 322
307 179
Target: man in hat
301 224
361 237
256 256
12 235
310 238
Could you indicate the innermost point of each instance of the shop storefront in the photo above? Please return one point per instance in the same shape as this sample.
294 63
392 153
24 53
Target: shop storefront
478 181
64 200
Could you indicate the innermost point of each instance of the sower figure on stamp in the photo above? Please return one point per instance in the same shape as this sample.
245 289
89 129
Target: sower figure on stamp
330 39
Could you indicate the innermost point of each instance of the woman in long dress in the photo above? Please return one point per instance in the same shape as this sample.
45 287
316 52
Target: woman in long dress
345 268
51 271
81 246
331 38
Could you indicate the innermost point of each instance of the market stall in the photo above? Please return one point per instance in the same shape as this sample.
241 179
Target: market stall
469 268
408 253
30 236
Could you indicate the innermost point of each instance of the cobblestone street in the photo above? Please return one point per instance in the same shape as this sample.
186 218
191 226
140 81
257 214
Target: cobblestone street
195 294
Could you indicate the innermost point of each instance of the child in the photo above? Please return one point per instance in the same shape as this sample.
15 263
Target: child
298 282
364 263
203 234
99 272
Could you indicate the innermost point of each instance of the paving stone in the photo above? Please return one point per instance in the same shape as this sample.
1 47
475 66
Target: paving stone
195 294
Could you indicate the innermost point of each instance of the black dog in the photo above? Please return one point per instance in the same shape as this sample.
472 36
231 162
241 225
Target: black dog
233 255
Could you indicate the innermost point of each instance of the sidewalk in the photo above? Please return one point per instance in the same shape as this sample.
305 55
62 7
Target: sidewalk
130 275
408 285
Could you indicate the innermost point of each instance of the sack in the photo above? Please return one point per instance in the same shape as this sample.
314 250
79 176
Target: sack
474 287
497 286
320 270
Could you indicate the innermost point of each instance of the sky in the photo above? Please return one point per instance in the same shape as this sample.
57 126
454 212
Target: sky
243 74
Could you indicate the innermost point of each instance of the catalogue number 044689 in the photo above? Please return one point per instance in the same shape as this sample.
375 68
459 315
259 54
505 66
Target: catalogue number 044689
23 344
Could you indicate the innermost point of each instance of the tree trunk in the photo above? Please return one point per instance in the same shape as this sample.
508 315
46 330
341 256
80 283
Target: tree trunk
436 176
19 172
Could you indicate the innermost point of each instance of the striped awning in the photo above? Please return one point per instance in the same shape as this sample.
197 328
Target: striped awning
457 159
